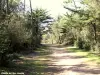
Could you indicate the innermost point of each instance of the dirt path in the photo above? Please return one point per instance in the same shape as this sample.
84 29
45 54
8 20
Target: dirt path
57 60
62 62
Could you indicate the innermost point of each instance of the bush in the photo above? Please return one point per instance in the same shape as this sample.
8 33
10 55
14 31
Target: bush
79 43
95 47
4 45
87 46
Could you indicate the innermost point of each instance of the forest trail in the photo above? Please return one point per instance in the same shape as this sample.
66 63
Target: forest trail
57 60
63 62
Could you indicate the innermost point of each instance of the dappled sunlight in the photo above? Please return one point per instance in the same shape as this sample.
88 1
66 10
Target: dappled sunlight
68 73
71 63
50 37
68 61
71 47
58 55
57 61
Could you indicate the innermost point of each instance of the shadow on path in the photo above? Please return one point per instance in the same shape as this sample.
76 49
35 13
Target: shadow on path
68 63
55 60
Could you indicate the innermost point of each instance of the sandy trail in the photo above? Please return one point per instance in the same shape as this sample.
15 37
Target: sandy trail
62 62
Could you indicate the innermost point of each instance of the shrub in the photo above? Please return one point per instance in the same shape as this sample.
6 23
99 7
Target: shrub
4 45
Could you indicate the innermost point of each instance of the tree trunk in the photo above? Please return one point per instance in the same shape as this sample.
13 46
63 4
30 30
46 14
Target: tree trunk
94 28
75 4
33 27
7 7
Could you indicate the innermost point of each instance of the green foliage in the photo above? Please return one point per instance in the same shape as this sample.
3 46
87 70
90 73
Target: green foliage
6 48
16 31
4 45
39 16
4 39
80 26
91 56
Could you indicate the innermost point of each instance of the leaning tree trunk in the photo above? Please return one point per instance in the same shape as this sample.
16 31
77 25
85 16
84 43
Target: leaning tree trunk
7 8
33 27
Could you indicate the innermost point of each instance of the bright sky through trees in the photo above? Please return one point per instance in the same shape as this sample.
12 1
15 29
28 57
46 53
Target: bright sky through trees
55 7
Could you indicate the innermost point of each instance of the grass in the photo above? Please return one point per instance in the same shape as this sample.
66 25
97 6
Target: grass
36 64
81 52
33 65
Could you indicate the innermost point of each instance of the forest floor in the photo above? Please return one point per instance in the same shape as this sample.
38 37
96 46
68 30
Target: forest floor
58 60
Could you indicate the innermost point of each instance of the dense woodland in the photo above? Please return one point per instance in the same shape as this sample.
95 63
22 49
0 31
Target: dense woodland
19 29
22 30
79 26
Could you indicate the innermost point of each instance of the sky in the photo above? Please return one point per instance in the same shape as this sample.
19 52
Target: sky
54 7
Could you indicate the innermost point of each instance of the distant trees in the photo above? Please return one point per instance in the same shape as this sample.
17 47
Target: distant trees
37 16
80 26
